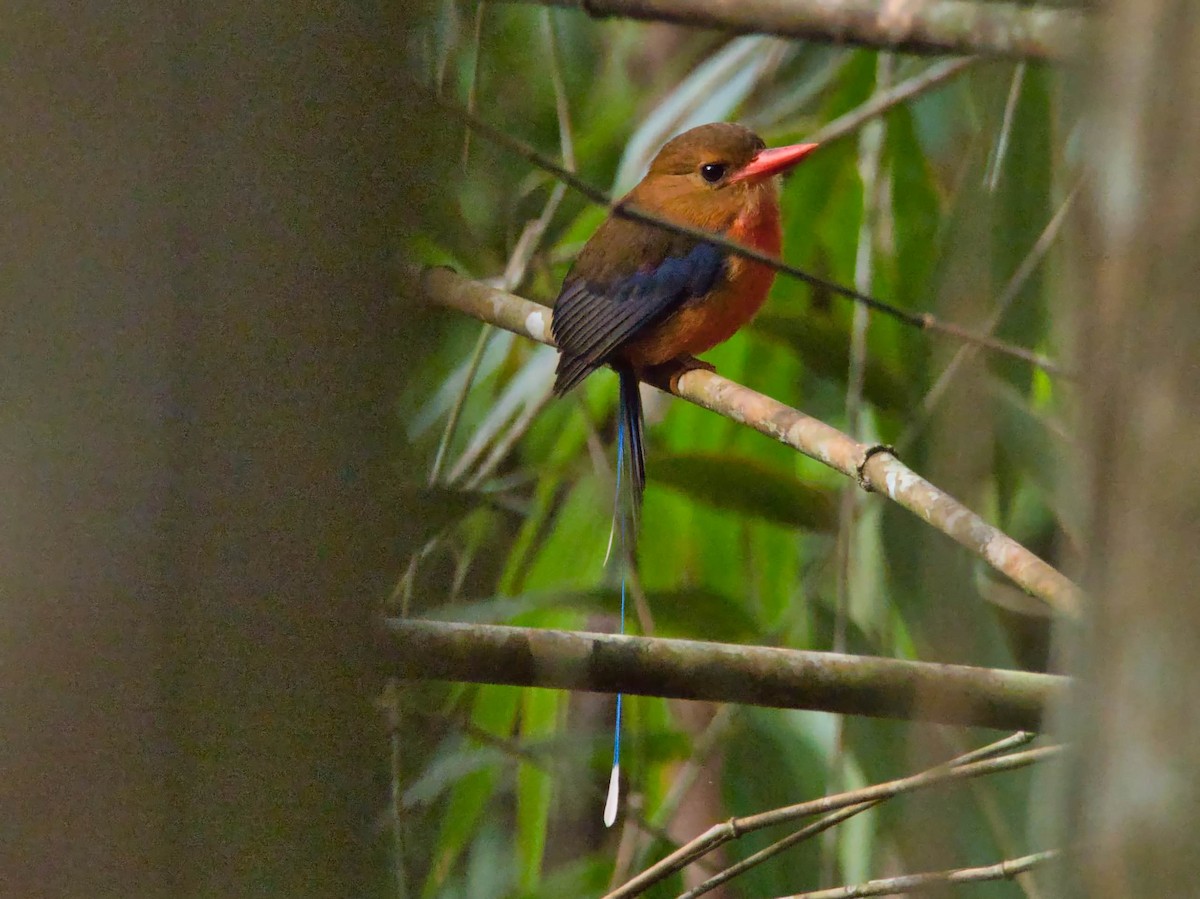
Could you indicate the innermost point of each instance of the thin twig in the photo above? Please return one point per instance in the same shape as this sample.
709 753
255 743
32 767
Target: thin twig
703 745
439 460
683 782
1010 110
503 446
514 274
473 84
400 599
1009 295
985 798
911 883
925 321
720 834
566 138
1018 739
874 467
820 826
870 151
880 102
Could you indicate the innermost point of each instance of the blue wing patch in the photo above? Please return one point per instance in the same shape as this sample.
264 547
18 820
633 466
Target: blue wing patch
591 321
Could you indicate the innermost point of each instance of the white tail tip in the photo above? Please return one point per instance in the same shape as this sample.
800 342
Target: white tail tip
612 532
614 789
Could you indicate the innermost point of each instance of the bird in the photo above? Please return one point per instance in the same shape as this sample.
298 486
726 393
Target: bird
641 298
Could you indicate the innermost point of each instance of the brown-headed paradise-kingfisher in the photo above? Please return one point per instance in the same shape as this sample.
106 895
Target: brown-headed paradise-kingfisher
640 296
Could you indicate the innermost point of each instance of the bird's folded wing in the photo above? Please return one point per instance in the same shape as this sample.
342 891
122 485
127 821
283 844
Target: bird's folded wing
592 320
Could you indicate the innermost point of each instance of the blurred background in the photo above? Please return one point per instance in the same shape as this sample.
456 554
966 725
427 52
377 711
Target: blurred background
234 440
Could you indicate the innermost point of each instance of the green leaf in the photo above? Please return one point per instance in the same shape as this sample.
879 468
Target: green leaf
700 613
488 871
540 509
816 191
916 213
689 612
586 876
747 487
571 553
449 766
1023 209
540 711
823 343
770 763
460 818
1039 448
438 507
495 710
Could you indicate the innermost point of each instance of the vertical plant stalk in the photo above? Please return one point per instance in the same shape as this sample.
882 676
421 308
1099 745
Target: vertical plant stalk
1010 110
985 798
1004 302
514 274
448 432
1133 799
473 86
870 152
390 702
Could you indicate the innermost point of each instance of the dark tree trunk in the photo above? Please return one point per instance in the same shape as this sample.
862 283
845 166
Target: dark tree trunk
1134 803
197 361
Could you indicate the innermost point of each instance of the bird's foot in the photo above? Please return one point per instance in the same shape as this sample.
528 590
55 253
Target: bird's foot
671 372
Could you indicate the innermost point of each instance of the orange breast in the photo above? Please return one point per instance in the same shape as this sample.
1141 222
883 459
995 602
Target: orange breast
707 321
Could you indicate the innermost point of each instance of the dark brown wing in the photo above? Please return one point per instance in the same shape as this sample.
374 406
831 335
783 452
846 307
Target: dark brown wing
626 280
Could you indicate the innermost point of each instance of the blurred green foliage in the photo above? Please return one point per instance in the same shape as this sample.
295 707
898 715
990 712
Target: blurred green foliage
500 788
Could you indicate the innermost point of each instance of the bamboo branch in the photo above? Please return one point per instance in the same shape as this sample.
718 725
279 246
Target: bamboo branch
874 467
718 672
823 824
911 883
932 26
720 834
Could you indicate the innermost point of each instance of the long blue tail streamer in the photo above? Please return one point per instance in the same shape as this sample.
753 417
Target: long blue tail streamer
610 805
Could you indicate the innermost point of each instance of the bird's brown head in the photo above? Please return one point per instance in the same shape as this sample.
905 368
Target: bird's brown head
711 174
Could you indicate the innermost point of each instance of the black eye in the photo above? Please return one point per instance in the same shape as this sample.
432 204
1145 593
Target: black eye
712 172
